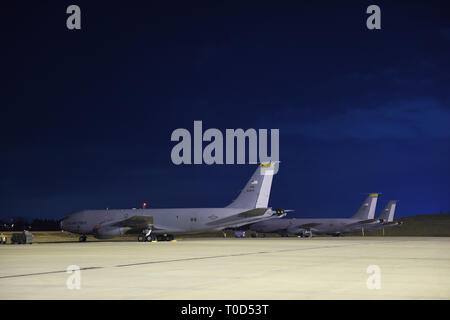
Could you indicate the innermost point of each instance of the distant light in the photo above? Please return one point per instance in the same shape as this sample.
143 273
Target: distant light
144 205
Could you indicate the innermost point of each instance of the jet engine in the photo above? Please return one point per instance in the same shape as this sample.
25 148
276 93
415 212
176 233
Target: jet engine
109 232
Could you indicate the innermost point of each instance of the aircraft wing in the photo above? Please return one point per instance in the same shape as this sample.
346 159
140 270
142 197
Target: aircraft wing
135 222
308 225
138 223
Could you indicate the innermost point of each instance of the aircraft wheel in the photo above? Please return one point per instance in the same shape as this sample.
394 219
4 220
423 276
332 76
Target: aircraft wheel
149 238
164 237
141 238
82 238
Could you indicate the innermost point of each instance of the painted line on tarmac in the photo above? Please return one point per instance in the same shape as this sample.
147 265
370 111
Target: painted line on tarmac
48 272
227 255
241 254
190 259
169 261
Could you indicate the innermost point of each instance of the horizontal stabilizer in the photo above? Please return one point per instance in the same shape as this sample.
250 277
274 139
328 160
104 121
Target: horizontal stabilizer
364 222
254 213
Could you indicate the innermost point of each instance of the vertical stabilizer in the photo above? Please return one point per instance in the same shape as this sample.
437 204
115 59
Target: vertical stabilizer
367 209
388 213
256 192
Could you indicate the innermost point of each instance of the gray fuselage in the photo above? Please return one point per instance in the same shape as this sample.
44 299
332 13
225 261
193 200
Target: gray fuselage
177 220
295 226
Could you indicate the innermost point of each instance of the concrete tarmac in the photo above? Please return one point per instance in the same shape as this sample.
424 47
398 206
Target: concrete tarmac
269 268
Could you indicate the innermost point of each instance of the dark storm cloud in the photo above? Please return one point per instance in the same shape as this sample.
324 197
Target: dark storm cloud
87 116
445 32
420 119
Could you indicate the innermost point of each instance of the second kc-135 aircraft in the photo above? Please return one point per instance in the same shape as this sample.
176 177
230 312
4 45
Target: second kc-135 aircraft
250 206
363 218
386 217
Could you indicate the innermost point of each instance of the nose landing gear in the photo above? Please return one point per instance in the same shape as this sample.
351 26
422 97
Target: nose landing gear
305 234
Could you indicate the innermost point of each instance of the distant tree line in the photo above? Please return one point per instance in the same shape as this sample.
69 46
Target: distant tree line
20 224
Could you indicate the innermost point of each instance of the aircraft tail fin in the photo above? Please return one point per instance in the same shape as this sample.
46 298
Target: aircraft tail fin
256 192
388 213
367 209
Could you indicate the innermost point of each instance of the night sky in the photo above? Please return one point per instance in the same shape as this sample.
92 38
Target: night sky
87 115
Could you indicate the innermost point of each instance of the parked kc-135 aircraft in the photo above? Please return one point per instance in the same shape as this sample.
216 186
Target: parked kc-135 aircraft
387 218
363 218
250 206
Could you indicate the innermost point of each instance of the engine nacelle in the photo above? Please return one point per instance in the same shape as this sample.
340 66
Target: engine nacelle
108 232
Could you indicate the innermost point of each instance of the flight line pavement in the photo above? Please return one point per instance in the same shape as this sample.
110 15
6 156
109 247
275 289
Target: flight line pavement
214 268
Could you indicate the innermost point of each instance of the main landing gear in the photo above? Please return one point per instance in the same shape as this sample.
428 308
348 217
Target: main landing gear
149 237
82 238
338 234
144 238
305 234
164 237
